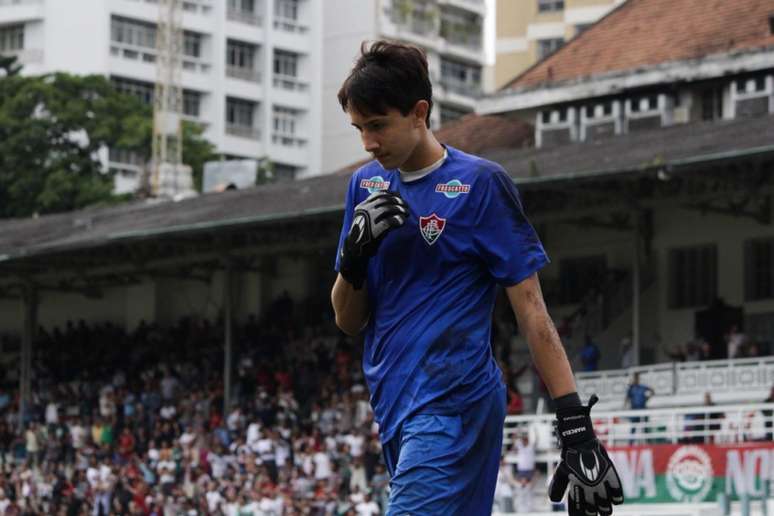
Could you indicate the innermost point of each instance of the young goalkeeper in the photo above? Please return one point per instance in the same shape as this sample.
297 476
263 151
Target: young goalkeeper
428 233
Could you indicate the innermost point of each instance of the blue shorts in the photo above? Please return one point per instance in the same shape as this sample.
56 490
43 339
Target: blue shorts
447 464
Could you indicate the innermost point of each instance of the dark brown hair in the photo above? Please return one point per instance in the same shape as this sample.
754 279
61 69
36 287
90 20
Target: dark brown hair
387 75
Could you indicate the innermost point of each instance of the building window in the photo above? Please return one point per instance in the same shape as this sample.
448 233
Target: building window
559 115
140 89
240 113
243 11
548 46
545 6
461 27
460 77
240 60
240 55
12 38
759 269
644 104
132 32
712 103
758 84
242 6
126 157
192 44
579 276
286 9
451 113
192 101
285 63
693 276
603 109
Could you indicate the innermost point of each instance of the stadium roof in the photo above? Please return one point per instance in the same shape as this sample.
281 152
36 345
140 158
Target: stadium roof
298 210
640 34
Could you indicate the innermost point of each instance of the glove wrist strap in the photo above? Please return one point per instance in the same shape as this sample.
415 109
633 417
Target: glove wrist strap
574 426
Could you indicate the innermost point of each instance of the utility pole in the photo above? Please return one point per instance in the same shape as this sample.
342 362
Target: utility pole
168 175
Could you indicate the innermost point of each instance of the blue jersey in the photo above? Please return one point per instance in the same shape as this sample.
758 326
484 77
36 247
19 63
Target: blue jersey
432 285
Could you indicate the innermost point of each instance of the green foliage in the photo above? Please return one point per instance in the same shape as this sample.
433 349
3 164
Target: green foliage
52 128
196 151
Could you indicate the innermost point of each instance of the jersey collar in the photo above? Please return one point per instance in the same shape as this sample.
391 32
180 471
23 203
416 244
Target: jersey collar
415 175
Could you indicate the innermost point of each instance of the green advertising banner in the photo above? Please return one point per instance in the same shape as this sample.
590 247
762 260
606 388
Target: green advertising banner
662 473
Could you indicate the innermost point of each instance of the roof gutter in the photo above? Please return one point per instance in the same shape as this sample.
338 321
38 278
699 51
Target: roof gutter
671 165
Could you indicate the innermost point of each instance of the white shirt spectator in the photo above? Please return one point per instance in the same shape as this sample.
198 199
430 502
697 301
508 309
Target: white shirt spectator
92 475
369 508
282 449
168 411
78 435
166 471
253 434
214 500
52 413
355 442
525 456
218 464
265 448
322 466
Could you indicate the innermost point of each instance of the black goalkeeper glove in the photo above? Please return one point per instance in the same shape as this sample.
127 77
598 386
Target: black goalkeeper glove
372 219
585 466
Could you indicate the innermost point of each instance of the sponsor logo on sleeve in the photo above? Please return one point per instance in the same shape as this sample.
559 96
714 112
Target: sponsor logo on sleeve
431 228
375 184
452 189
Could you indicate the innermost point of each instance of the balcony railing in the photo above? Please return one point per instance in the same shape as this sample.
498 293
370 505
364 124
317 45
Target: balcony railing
288 140
25 55
244 74
461 87
251 133
148 55
250 18
288 25
287 82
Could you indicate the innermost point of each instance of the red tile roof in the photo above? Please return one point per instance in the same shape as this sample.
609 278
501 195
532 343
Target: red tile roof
642 33
475 134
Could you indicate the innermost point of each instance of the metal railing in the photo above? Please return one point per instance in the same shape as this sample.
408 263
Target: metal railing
250 18
704 424
288 25
245 74
251 133
287 82
731 379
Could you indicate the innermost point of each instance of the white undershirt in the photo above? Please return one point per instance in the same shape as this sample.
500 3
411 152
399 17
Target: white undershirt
408 177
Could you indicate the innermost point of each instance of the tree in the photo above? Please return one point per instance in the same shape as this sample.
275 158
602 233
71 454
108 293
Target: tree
52 128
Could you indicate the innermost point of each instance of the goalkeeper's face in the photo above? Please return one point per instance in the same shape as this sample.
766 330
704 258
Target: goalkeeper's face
391 138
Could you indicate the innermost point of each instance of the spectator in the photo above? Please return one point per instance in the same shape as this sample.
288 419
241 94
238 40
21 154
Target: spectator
589 355
627 352
735 341
637 396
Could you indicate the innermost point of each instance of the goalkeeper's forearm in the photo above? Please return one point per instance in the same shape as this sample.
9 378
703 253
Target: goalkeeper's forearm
350 306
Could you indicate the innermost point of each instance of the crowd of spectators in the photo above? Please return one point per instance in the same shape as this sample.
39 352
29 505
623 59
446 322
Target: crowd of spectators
134 423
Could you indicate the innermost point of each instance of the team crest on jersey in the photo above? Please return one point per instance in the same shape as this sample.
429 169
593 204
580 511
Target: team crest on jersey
431 227
452 189
375 184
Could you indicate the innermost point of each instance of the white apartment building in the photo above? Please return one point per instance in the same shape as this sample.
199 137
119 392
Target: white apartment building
250 70
458 35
